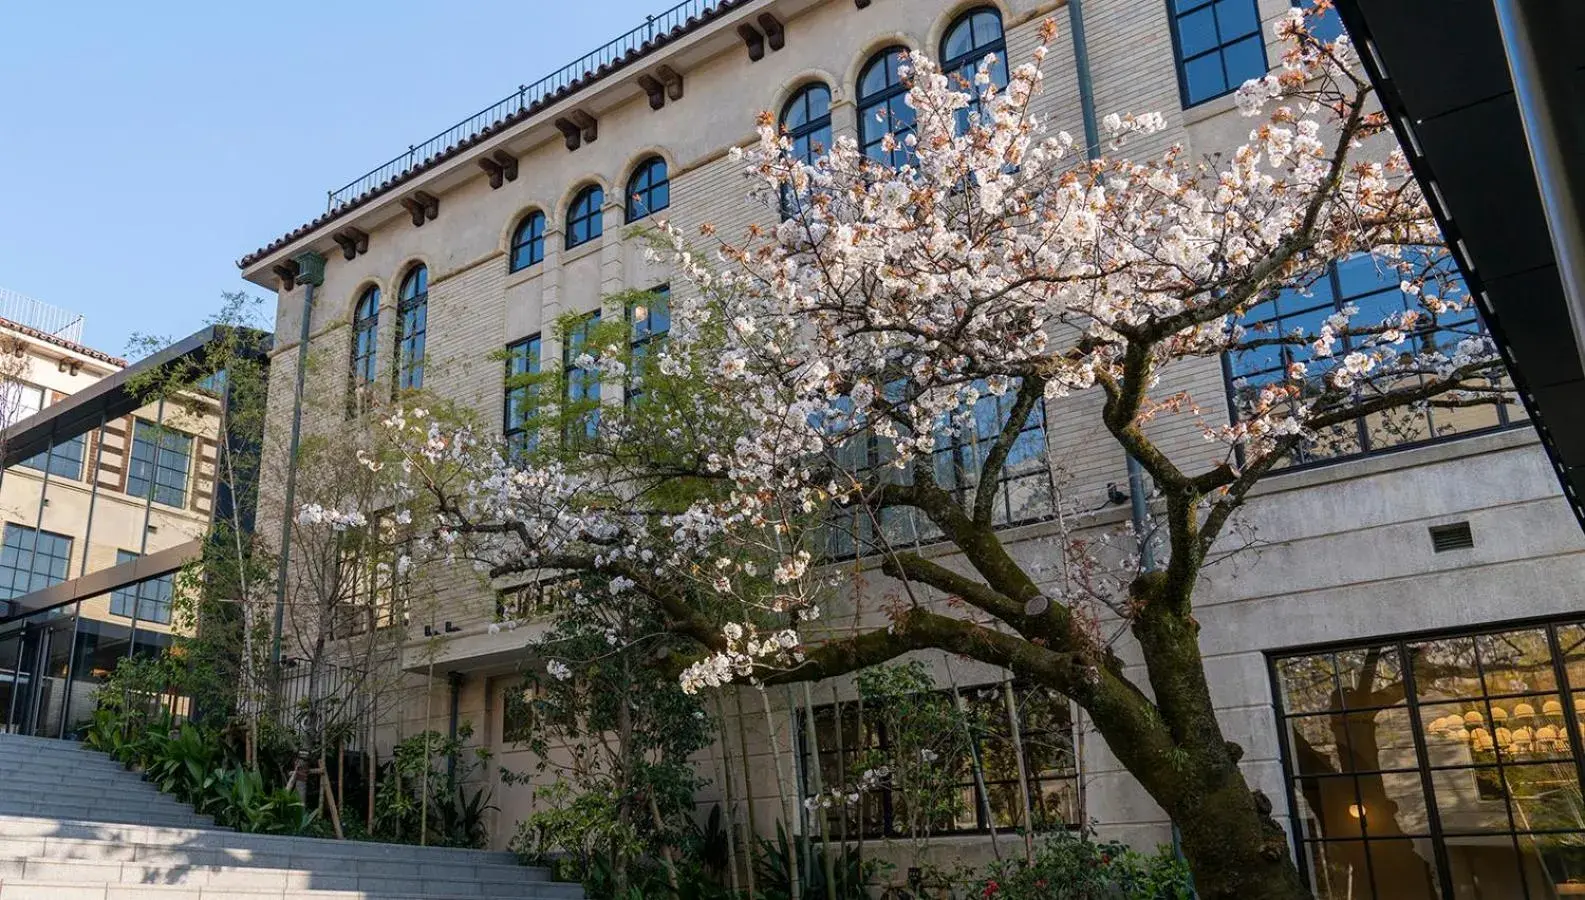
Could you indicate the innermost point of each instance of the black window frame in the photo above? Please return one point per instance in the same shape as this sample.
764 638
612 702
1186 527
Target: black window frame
1177 10
363 364
53 461
574 343
156 473
412 328
874 736
811 138
528 242
869 104
643 188
1333 283
58 564
644 339
524 357
1571 712
966 64
958 451
587 209
148 600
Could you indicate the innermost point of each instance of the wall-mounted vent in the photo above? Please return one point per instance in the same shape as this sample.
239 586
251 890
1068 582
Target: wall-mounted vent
1456 536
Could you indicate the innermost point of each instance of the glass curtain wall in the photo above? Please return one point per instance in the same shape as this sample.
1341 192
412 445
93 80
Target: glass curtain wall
122 489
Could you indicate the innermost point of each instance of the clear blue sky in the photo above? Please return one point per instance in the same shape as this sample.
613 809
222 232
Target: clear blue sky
144 147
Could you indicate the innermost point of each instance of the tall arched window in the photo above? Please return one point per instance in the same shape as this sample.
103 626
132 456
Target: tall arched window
649 190
528 241
584 219
412 314
365 330
807 120
973 36
883 107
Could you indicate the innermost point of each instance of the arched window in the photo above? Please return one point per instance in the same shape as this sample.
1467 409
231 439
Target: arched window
365 329
584 216
412 314
973 36
649 190
528 241
807 120
883 107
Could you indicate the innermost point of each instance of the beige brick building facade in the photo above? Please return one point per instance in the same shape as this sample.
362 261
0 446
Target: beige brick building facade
1348 557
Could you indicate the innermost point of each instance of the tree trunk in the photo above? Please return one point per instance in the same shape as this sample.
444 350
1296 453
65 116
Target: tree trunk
1233 846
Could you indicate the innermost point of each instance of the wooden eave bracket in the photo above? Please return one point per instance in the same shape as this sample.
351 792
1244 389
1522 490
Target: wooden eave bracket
754 40
353 241
500 166
287 272
578 128
775 34
421 205
655 90
671 79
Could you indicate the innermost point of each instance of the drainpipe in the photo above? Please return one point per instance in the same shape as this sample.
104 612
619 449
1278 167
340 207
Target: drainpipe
1137 498
311 269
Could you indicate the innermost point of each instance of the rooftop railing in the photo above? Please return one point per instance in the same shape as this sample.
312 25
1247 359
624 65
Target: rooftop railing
41 316
639 40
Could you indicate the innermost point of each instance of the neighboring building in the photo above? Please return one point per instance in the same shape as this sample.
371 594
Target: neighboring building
1409 540
103 498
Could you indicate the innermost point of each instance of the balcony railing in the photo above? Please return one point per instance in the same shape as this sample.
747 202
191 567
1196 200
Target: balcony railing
41 316
656 30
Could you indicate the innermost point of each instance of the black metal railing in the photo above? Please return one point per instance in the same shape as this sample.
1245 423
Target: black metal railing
656 30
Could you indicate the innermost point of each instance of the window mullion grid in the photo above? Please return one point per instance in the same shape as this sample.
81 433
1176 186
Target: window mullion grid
1353 775
1502 773
1427 787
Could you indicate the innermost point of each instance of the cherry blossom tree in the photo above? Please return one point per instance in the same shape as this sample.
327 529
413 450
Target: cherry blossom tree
996 274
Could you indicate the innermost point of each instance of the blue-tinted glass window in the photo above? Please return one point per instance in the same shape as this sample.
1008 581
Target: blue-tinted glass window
1023 491
365 338
1218 44
585 219
522 360
148 600
161 458
883 108
412 323
582 391
649 190
806 119
64 461
1281 327
528 241
32 560
975 35
650 320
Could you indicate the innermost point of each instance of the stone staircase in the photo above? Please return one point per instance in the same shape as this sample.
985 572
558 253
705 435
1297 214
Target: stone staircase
75 825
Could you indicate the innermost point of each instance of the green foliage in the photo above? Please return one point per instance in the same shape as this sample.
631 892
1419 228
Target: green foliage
774 863
452 812
1076 867
930 750
240 799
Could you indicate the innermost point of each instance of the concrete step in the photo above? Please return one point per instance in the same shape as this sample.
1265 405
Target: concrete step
48 782
97 851
14 828
106 813
131 790
28 890
42 871
85 761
